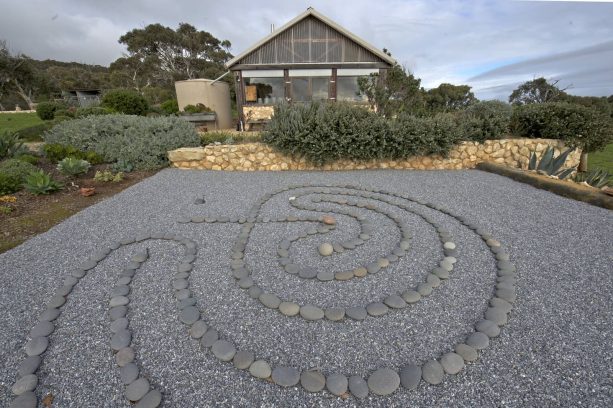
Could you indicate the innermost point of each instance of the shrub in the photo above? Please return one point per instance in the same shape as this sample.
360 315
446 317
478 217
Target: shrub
46 110
229 138
28 158
38 182
170 107
122 166
92 110
12 175
325 132
143 142
35 133
125 101
597 178
56 152
578 125
198 108
71 166
485 120
108 175
10 145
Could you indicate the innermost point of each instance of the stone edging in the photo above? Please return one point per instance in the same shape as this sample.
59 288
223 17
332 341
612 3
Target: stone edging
383 381
559 187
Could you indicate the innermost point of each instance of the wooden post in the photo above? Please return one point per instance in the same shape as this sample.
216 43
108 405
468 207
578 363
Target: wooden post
240 96
332 88
287 85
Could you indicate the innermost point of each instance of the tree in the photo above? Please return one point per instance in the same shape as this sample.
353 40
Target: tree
16 75
538 90
395 92
184 53
448 97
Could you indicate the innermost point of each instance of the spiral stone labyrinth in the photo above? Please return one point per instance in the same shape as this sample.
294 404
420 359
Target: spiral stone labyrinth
324 204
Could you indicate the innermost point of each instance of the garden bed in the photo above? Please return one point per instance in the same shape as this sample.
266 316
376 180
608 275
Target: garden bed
564 188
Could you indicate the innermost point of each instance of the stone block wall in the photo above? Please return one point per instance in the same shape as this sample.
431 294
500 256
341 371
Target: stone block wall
258 156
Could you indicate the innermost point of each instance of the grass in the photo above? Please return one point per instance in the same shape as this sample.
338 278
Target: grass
602 159
14 122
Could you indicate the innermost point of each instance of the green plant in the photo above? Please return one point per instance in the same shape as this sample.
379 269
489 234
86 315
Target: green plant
46 110
125 101
28 158
12 175
9 184
57 152
38 182
71 166
551 165
108 175
92 110
5 209
122 166
143 142
10 145
325 132
198 108
577 125
170 107
35 133
598 178
485 120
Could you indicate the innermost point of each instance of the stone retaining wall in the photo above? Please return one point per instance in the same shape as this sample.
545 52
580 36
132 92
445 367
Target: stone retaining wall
258 156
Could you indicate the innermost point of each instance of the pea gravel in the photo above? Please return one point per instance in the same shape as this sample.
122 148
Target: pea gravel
553 351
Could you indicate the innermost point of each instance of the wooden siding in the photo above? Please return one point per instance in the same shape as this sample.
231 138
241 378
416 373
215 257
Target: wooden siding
310 41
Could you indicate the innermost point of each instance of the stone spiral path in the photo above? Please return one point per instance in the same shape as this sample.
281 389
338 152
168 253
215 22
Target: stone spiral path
345 200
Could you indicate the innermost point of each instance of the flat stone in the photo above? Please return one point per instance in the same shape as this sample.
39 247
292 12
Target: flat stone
285 376
344 275
326 249
90 264
492 242
179 284
337 384
502 256
358 387
137 389
496 315
376 309
209 338
255 292
432 372
449 245
260 369
121 339
507 294
118 312
478 341
310 312
189 315
128 373
338 247
125 356
325 276
223 350
119 301
70 281
424 289
468 353
25 400
411 296
120 290
246 282
56 301
243 359
312 381
307 272
452 363
186 303
24 384
356 312
289 308
43 328
29 366
373 267
395 302
292 268
50 315
270 300
383 381
410 376
198 329
152 399
501 304
360 272
488 327
334 313
433 280
328 220
37 346
383 263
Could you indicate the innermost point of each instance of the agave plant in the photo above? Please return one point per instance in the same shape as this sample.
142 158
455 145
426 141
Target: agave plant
39 182
596 178
551 165
71 166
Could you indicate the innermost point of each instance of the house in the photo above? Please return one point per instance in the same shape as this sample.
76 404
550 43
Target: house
82 97
308 59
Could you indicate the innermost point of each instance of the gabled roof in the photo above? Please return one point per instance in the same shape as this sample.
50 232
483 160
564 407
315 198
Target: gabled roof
310 12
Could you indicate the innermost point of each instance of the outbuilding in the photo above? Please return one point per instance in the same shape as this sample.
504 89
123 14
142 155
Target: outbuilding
308 59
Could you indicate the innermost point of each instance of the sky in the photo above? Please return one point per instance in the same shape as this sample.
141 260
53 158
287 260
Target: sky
493 46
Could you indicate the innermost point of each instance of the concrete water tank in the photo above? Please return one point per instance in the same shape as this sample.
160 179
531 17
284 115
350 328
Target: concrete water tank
214 95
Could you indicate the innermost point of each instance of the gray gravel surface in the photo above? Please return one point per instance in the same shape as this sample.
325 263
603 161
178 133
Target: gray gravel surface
554 351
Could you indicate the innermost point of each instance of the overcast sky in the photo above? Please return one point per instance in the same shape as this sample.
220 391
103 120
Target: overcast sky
491 45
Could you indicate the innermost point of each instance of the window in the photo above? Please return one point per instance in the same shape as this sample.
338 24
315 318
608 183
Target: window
310 89
264 91
347 89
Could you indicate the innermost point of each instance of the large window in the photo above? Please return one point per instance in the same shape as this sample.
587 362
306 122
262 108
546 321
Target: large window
347 89
264 91
310 89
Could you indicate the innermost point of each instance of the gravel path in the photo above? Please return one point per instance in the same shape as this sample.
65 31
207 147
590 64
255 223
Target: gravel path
555 351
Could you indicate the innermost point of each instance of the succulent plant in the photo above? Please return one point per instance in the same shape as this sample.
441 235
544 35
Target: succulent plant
39 182
71 166
598 178
551 165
